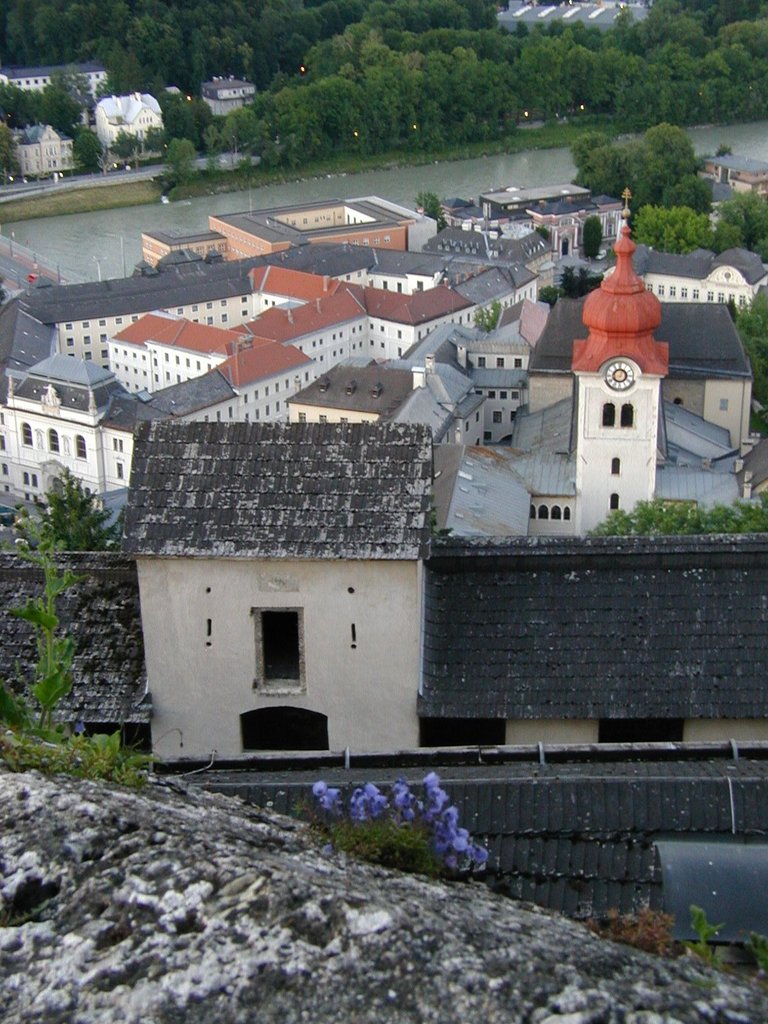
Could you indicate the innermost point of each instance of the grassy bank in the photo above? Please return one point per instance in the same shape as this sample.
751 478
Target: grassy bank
81 200
137 193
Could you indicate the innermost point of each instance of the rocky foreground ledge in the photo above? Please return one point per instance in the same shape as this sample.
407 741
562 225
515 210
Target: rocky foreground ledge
166 906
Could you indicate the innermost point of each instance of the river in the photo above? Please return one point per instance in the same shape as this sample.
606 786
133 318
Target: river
87 245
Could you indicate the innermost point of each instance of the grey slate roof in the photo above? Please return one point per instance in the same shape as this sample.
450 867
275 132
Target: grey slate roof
575 834
703 340
101 612
476 493
196 281
596 628
262 490
356 388
192 395
698 264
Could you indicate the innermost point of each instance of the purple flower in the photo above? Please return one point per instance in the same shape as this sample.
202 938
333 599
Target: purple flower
328 798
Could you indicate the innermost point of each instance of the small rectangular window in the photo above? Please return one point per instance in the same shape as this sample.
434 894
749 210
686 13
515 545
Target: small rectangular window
279 649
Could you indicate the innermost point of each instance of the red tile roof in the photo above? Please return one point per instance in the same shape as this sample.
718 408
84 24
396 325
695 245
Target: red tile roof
296 284
266 359
285 325
178 332
418 308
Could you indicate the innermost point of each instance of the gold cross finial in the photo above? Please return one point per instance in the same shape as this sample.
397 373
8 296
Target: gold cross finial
626 195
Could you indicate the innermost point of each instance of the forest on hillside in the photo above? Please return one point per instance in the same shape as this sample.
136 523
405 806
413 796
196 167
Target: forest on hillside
373 76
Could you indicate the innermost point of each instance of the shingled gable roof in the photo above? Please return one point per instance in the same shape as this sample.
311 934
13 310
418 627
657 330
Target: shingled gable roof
629 627
101 613
269 490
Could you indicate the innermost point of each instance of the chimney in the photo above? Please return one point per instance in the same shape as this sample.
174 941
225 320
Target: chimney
326 282
290 315
429 362
461 355
746 490
317 303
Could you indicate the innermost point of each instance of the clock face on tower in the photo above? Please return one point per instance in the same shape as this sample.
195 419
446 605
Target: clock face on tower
619 375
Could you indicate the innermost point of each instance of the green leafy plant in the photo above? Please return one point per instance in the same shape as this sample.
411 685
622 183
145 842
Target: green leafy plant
758 947
35 739
705 931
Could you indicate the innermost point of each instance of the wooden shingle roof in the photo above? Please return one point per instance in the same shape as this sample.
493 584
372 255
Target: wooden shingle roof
596 628
264 490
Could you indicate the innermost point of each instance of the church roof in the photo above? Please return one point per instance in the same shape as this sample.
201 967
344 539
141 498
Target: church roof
621 317
702 339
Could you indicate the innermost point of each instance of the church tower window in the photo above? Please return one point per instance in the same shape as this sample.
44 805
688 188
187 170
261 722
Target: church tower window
615 467
614 501
627 415
609 415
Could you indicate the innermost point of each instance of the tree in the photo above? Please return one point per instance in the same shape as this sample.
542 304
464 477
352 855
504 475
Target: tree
574 286
678 229
87 150
154 140
593 236
549 294
748 212
126 146
432 207
659 517
181 160
488 318
752 324
8 164
57 107
70 519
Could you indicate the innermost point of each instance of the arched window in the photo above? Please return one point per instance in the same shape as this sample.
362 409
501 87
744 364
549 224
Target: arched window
566 513
556 514
80 450
543 512
533 511
614 501
26 434
609 415
615 467
627 415
53 441
284 728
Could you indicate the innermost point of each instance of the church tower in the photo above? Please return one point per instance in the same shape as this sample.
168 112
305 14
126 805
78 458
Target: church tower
618 370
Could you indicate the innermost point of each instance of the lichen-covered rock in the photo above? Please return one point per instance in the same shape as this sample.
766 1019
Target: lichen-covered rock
165 906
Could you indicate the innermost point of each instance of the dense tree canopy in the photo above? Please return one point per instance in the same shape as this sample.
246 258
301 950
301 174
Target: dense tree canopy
674 229
367 76
653 518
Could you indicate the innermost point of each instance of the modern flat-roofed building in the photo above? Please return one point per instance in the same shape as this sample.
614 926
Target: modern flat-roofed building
366 221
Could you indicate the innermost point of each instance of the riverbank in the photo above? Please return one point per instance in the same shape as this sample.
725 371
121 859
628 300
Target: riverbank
205 182
82 200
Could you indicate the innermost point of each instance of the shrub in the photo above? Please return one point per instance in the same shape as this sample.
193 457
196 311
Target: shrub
405 831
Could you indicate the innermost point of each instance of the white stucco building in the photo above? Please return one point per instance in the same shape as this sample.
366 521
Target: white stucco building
133 115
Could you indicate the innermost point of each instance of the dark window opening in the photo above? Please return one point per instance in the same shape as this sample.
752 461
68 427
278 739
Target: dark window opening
543 512
280 645
614 501
462 732
556 512
284 728
609 414
627 415
615 467
566 513
640 730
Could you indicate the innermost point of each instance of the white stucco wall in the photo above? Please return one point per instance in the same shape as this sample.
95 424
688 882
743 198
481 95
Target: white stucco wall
201 684
551 731
699 730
